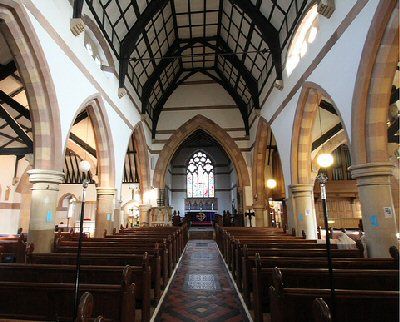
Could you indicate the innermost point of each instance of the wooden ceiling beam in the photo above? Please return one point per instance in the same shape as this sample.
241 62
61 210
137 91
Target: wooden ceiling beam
268 32
7 70
128 44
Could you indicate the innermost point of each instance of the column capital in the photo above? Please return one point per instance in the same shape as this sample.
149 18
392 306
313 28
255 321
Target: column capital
372 169
301 188
43 179
77 26
105 191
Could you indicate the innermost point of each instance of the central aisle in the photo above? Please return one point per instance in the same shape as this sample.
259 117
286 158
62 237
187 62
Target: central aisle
201 289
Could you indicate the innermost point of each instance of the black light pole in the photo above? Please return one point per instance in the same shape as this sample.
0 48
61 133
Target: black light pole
322 178
85 184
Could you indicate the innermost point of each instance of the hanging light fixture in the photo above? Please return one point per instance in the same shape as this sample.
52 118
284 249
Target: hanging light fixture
324 160
271 184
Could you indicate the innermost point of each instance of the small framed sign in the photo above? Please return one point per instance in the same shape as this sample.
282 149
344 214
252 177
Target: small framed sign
388 212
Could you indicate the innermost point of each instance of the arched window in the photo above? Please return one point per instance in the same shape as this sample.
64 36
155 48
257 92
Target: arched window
304 36
200 176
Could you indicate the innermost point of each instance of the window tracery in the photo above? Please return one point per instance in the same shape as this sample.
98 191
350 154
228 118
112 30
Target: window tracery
200 176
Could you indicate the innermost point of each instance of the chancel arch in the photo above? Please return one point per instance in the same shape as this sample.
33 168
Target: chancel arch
200 122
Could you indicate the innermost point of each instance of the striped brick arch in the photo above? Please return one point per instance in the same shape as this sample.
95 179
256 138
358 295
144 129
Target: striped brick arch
259 161
143 157
307 111
103 138
20 36
200 122
374 80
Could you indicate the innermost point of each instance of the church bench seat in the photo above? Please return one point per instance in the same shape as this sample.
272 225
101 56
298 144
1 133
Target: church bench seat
105 259
358 279
295 304
158 257
54 301
248 260
239 249
125 246
13 249
89 274
301 262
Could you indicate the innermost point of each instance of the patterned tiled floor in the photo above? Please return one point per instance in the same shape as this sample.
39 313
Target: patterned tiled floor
201 289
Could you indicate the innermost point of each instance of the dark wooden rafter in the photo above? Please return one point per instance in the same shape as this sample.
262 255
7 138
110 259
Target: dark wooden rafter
16 151
128 44
179 46
268 32
16 127
83 144
167 93
328 107
81 116
20 109
174 49
327 135
7 70
78 6
224 82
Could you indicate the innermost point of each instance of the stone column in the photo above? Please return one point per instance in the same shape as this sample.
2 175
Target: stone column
104 211
117 214
144 215
259 219
378 214
45 187
303 204
291 219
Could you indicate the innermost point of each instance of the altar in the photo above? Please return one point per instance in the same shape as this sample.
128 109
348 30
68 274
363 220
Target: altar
205 217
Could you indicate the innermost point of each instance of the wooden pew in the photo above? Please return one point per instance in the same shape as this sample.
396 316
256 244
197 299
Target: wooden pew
248 260
159 264
13 249
240 249
114 275
105 259
295 304
54 301
362 279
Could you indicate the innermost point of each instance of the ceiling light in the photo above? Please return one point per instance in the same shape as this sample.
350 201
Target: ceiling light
325 160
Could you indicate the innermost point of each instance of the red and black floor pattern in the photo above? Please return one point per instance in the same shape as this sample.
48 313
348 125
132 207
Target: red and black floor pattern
201 289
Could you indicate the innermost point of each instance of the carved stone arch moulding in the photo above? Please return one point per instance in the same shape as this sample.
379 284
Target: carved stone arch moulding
200 122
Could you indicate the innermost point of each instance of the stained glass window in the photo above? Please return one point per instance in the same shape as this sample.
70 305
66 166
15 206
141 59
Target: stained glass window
304 36
200 176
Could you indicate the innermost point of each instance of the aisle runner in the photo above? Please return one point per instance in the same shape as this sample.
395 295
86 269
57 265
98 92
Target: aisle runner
201 289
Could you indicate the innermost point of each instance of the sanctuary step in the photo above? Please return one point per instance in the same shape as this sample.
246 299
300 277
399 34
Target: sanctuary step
201 233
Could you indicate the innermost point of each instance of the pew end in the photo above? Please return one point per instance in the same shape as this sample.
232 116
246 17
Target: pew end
85 308
321 311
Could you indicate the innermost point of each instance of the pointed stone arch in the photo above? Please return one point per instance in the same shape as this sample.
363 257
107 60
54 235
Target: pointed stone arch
259 160
307 109
143 157
24 44
372 91
200 122
103 138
